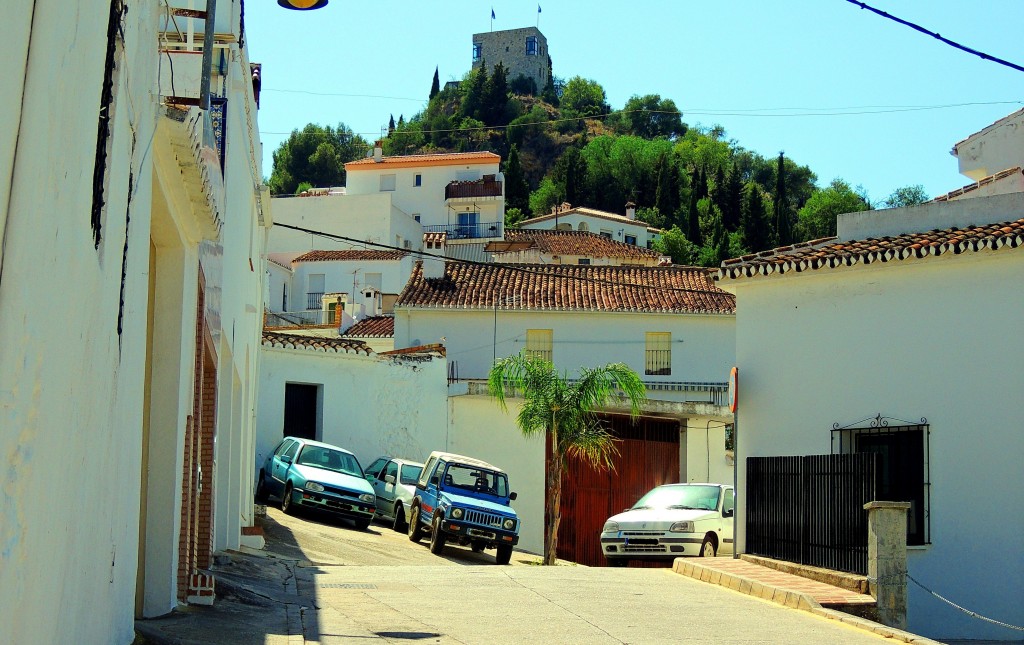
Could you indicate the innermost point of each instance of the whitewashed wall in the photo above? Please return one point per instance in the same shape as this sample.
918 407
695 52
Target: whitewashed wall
372 405
618 229
997 147
702 345
371 217
71 388
339 277
936 339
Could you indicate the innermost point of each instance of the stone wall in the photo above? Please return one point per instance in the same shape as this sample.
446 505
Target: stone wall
509 48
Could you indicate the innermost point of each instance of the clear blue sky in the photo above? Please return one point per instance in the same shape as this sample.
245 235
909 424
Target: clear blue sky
765 71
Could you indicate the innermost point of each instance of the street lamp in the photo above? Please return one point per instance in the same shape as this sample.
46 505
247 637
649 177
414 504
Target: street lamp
302 5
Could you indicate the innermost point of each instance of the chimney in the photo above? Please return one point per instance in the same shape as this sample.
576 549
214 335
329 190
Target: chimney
378 151
373 301
434 247
630 210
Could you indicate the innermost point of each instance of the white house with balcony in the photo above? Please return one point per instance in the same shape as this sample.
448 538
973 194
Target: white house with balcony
564 246
623 228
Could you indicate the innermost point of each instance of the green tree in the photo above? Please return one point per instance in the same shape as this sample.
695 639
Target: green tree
583 97
666 195
651 116
548 194
435 86
564 413
495 98
674 244
906 196
316 154
473 91
732 199
698 188
756 232
517 191
817 218
391 124
783 214
571 172
513 217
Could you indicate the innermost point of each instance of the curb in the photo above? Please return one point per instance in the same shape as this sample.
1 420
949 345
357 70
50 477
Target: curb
791 599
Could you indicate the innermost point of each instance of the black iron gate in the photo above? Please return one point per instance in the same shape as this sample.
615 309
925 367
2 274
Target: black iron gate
810 509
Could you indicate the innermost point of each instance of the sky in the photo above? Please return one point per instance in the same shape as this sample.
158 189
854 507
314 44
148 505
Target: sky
837 88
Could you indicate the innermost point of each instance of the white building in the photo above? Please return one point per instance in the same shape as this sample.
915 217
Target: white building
910 314
620 228
564 246
149 244
670 324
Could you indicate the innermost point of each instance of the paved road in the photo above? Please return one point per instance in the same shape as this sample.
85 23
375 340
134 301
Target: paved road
376 585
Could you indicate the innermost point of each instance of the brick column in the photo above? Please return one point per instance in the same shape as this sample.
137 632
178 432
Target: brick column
887 560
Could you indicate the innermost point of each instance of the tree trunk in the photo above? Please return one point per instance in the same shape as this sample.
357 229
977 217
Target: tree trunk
554 495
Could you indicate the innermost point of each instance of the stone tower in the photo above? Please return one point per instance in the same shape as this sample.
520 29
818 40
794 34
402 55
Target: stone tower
523 52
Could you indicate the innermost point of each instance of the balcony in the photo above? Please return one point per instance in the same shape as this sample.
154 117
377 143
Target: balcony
478 230
314 300
473 189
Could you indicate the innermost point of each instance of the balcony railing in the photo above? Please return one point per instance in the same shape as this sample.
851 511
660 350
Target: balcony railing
466 231
469 189
314 300
659 362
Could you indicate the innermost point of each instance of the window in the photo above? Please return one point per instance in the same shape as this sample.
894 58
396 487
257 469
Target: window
289 452
728 502
631 239
478 50
301 410
538 343
605 233
416 216
392 469
582 226
659 353
315 292
531 45
375 468
284 297
387 183
469 225
417 180
583 261
903 467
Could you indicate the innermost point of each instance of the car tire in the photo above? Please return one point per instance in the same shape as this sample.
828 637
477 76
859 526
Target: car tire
504 554
415 530
286 500
362 525
400 524
261 490
708 547
617 562
478 546
437 538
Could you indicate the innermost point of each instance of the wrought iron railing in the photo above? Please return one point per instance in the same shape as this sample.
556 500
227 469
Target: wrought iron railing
314 300
466 231
466 189
658 362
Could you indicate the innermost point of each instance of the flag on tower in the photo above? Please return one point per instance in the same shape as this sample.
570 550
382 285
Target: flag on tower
538 8
492 13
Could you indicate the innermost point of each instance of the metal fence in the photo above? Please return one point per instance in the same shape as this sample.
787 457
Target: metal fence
810 510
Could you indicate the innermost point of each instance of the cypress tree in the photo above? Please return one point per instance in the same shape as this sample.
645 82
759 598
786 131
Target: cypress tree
756 233
731 200
473 100
517 191
495 97
435 87
666 196
391 124
692 213
783 216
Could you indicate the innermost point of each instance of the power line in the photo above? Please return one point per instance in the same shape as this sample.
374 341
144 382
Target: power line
935 35
508 267
357 96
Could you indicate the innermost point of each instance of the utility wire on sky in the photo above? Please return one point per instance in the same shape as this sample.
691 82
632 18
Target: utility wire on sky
935 35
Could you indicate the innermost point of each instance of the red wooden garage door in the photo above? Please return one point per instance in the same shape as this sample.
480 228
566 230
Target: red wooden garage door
648 457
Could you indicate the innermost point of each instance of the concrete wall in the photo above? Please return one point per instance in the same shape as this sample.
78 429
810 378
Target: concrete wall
369 217
371 405
930 216
71 386
934 339
997 147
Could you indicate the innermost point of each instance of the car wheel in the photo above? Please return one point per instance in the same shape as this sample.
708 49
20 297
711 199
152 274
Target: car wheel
286 500
261 490
362 525
400 524
415 530
504 554
478 546
437 538
618 562
707 547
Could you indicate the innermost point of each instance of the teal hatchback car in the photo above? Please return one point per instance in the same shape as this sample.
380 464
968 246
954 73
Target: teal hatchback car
311 474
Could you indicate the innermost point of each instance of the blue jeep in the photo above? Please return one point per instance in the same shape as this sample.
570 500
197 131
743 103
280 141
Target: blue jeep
465 501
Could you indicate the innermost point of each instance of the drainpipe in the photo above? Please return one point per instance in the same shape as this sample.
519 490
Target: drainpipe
204 84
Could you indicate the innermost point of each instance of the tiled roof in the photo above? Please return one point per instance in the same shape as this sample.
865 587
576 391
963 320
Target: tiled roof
434 159
566 287
435 237
351 254
1003 174
591 212
373 327
295 341
568 243
829 253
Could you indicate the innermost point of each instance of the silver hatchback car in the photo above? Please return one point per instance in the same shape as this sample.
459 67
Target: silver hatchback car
394 482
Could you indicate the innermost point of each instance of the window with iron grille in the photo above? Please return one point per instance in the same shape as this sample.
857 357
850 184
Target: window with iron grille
903 471
538 343
658 361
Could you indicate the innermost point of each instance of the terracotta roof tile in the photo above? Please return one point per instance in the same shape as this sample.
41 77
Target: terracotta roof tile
829 253
351 254
1003 174
372 327
569 243
295 341
443 158
434 237
568 288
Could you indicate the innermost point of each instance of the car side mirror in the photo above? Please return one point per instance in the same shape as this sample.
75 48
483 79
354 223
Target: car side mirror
286 459
435 480
512 496
727 513
368 477
389 479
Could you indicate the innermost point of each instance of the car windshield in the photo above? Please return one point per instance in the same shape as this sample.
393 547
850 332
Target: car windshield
695 497
410 473
329 459
476 479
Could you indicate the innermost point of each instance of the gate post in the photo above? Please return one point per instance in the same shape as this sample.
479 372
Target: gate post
887 560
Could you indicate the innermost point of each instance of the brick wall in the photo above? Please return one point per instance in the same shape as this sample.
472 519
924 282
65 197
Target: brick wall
204 555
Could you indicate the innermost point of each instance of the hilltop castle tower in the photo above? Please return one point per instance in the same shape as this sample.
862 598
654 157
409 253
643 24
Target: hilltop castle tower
523 52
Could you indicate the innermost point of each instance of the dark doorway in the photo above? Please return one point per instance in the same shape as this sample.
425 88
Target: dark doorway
901 472
300 410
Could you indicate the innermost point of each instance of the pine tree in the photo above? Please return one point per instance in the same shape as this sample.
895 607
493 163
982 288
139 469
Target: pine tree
435 87
517 191
756 232
732 199
783 215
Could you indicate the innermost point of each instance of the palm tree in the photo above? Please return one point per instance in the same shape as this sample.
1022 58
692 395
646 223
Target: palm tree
564 410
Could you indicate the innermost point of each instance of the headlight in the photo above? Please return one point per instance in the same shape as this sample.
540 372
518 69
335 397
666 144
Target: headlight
509 524
315 487
682 527
367 497
457 513
610 527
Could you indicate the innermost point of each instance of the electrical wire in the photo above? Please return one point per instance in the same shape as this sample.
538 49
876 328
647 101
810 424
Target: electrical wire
508 267
935 35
